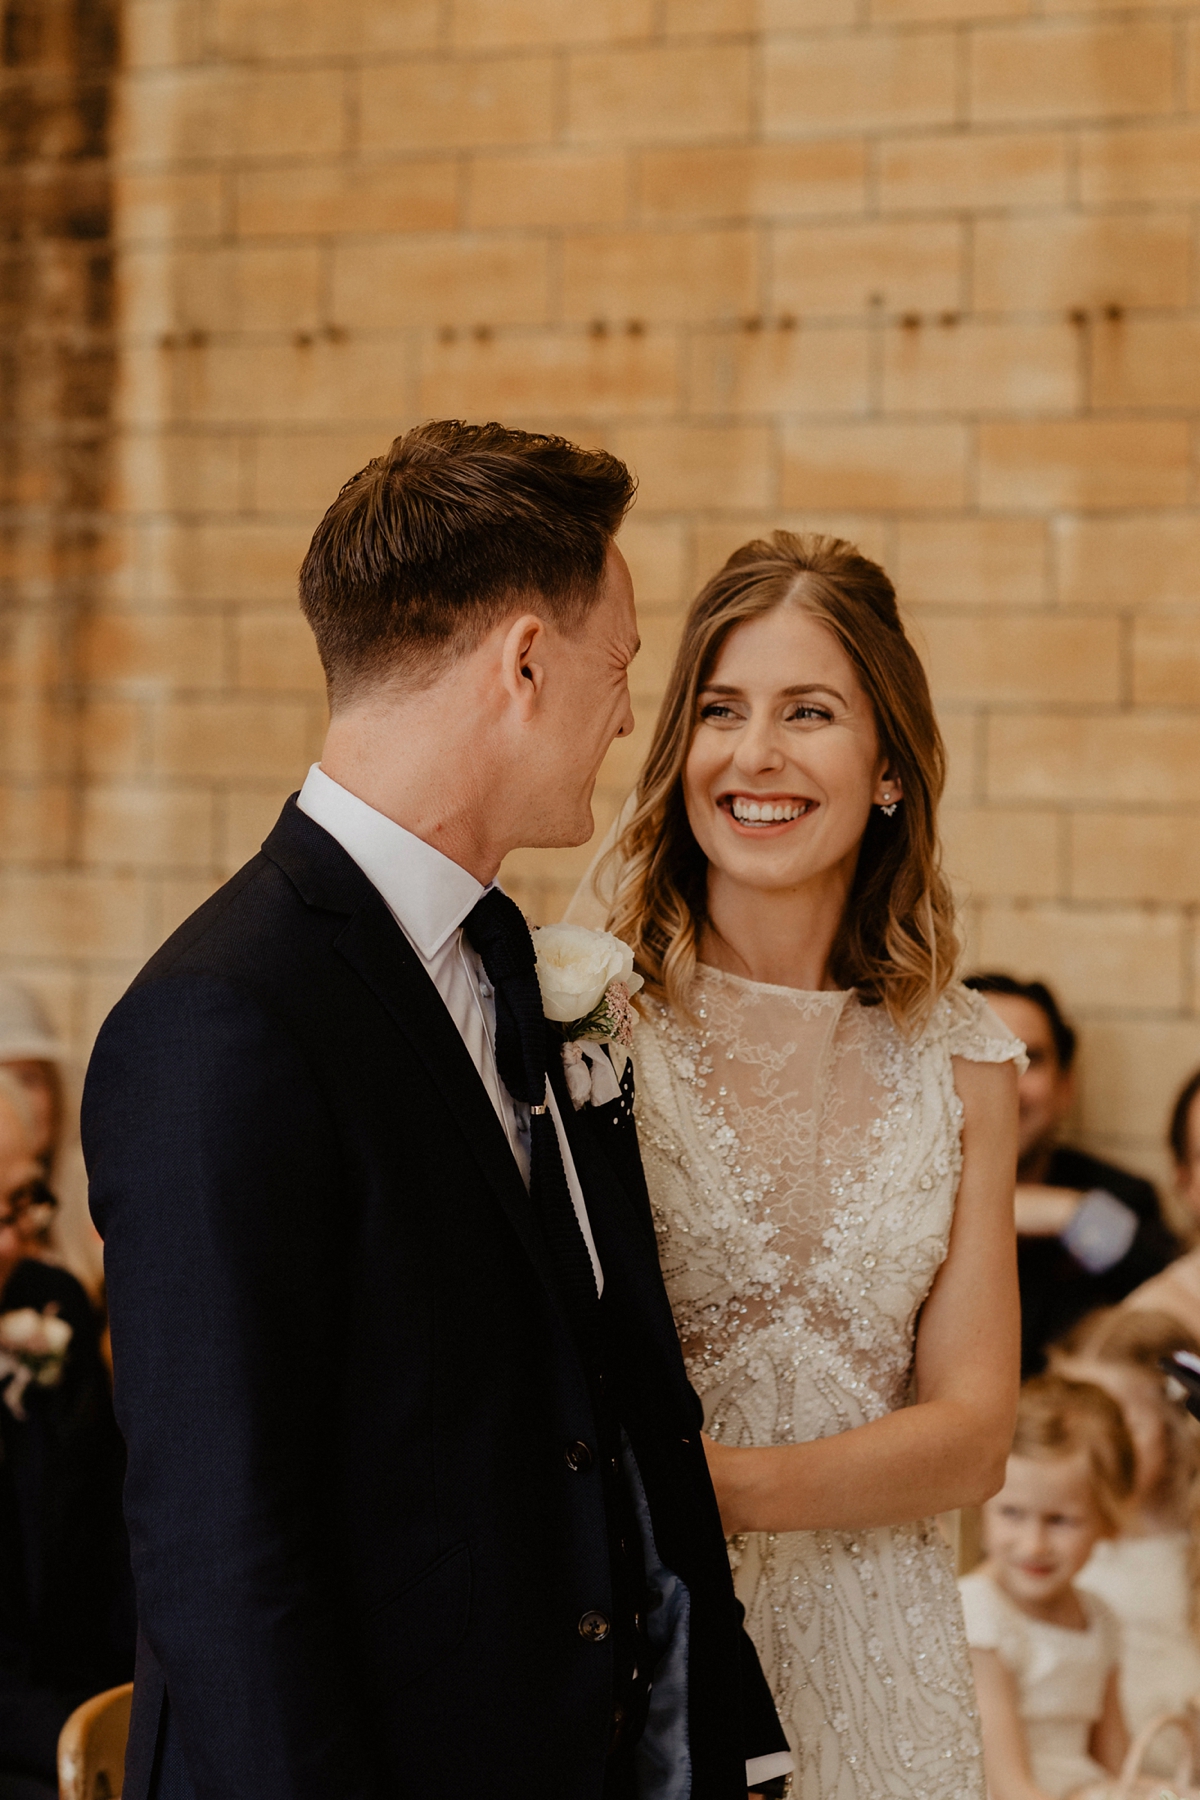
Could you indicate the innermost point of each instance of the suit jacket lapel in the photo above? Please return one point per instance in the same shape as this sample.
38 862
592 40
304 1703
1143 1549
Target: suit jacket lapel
598 1176
373 944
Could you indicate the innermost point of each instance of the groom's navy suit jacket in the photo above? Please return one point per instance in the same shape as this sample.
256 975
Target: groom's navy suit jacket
363 1533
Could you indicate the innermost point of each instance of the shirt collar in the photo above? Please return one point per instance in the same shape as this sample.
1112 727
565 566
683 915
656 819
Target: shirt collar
429 894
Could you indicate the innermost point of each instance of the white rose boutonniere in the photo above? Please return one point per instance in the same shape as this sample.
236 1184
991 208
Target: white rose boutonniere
587 983
33 1347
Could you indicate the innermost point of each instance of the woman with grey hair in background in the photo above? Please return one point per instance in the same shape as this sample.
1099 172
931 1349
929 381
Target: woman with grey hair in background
36 1057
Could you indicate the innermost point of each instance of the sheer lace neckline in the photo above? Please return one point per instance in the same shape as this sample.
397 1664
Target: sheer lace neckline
831 996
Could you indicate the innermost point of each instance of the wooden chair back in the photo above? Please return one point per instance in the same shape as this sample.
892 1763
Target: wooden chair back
91 1747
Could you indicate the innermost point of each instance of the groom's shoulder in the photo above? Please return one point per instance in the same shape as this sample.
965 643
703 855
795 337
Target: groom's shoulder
277 913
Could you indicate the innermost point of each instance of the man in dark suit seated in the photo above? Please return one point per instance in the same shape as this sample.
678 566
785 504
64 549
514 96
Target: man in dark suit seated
417 1491
1088 1232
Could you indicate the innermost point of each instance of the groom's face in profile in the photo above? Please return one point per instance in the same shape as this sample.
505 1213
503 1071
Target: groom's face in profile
586 706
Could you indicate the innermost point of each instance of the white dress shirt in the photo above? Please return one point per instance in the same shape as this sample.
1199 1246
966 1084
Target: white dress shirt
429 896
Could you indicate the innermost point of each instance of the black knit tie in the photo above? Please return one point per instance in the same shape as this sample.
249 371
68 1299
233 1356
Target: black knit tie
496 927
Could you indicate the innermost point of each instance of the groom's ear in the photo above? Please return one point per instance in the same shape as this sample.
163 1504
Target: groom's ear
522 666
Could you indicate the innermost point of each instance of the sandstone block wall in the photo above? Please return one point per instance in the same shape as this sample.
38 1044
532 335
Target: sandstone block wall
57 376
923 272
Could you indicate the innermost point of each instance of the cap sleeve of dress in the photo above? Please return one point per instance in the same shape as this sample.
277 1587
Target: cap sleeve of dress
981 1611
991 1623
974 1031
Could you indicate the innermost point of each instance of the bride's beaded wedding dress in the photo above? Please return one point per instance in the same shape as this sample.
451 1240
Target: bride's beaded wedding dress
803 1160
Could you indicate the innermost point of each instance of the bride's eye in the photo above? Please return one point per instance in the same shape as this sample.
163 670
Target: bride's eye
809 711
717 710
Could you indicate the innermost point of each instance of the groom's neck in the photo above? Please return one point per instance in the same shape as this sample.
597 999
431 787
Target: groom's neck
430 761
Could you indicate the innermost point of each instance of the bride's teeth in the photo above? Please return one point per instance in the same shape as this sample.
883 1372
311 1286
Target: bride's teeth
767 812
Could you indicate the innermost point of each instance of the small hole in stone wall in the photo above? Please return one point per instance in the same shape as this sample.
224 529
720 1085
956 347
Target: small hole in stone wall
483 334
787 321
911 321
1077 316
447 334
167 341
948 319
303 340
598 328
753 323
636 328
197 338
337 334
1114 312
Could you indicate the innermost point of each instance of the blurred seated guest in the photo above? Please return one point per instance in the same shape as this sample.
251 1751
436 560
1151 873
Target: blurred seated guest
1177 1289
1088 1233
66 1611
1149 1574
32 1051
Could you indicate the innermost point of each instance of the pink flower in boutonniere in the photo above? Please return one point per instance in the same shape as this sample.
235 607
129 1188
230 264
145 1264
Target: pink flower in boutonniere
588 981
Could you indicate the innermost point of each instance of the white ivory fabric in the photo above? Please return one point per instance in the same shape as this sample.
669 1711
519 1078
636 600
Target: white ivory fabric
1100 1231
803 1160
1145 1581
1060 1674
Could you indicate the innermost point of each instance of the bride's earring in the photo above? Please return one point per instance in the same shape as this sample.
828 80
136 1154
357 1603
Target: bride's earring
887 805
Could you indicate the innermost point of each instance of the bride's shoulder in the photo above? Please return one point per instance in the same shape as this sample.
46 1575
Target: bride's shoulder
651 1014
669 1061
656 1028
963 1024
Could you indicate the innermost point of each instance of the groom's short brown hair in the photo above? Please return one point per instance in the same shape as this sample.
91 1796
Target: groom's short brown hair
436 541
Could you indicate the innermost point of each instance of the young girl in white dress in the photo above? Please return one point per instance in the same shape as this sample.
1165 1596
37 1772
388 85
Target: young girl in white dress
828 1127
1045 1651
1150 1574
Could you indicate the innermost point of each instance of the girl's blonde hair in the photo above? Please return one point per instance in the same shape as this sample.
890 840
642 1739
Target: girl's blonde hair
896 944
1134 1339
1058 1418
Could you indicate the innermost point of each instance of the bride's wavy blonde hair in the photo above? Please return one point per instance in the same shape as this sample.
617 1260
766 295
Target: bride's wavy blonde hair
896 944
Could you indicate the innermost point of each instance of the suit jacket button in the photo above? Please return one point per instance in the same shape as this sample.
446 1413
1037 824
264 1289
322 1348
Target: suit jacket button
594 1627
578 1458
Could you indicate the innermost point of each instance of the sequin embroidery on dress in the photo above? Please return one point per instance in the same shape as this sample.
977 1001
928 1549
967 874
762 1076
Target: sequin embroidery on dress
803 1160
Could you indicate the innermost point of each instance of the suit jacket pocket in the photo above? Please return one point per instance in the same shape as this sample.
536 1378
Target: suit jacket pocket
424 1622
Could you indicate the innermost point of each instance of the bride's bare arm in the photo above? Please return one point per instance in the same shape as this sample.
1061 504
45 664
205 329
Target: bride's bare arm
949 1448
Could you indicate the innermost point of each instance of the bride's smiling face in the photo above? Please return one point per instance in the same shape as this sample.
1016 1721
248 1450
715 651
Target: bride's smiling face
785 763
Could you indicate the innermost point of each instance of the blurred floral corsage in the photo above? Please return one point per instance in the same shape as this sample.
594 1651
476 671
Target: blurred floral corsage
587 983
33 1348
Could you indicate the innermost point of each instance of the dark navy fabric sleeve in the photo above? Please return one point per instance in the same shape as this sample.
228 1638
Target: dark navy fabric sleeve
214 1180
